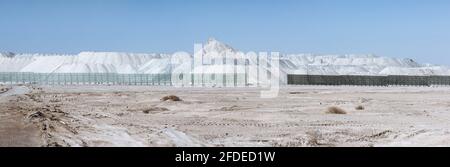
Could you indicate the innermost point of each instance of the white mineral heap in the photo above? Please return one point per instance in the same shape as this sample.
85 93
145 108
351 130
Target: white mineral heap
143 63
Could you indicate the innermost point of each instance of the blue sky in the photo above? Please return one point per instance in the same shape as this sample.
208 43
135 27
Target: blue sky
418 29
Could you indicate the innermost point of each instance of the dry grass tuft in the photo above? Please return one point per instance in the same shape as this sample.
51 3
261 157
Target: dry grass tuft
37 114
232 108
154 109
295 93
335 110
359 107
171 98
3 90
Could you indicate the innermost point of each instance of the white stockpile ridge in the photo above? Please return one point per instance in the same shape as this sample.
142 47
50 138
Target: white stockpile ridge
132 63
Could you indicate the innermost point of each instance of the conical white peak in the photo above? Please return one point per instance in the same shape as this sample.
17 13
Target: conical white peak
214 45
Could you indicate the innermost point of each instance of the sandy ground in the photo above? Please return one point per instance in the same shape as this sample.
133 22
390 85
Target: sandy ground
135 116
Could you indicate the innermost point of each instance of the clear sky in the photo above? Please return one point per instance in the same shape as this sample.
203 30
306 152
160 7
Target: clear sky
418 29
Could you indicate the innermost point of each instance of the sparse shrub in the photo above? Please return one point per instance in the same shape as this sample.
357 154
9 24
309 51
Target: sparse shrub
37 114
152 109
232 108
2 90
335 110
359 107
294 93
171 98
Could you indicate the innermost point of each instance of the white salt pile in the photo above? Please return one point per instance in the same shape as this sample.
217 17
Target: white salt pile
132 63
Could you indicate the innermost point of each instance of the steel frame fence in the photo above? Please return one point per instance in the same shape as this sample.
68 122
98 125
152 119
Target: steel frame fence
166 80
116 79
84 78
400 80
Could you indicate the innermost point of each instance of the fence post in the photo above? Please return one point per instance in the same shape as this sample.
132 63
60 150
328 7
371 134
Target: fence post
159 79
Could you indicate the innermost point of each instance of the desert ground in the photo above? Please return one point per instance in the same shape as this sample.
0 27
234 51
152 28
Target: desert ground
93 116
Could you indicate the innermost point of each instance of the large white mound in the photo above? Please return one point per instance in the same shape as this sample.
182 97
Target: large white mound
132 63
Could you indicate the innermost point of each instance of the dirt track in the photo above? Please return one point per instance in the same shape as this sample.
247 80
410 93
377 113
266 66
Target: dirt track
14 131
135 116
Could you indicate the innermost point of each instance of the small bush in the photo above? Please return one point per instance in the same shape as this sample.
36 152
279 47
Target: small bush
152 109
294 93
171 98
359 107
2 90
335 110
37 114
232 108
